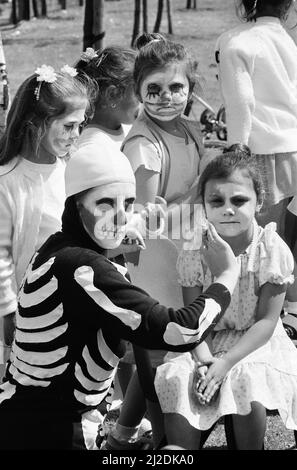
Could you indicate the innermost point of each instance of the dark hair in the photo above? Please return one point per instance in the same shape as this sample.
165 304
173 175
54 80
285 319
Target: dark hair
249 10
112 66
28 116
156 52
235 157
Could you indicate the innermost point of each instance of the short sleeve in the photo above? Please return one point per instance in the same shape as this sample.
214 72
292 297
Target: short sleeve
189 268
276 262
141 152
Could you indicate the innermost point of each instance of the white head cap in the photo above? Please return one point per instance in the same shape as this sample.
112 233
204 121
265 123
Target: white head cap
90 167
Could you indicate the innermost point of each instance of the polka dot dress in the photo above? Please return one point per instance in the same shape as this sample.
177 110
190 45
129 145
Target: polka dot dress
269 374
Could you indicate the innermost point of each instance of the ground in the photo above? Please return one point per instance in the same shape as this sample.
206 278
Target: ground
58 39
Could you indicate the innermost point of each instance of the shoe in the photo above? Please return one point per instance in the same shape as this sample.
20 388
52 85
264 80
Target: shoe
116 444
145 428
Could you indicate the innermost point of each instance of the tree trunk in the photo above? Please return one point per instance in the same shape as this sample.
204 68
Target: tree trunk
35 8
136 22
169 16
43 8
14 15
159 16
63 4
26 10
88 25
98 24
191 4
144 16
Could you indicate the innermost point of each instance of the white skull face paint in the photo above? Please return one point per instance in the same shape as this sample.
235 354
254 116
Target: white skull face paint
105 212
165 93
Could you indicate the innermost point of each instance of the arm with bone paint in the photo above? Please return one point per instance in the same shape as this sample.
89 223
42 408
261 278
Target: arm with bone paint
104 292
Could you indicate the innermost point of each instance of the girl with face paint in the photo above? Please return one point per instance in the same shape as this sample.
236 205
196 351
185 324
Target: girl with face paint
257 70
43 125
164 149
249 364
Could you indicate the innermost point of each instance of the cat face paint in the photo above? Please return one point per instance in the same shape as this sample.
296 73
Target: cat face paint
165 93
105 212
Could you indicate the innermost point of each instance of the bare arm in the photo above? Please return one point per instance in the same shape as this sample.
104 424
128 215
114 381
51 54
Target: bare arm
147 188
269 307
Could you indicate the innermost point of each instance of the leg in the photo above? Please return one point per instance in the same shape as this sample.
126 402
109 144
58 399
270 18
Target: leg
157 421
249 430
134 405
180 433
125 373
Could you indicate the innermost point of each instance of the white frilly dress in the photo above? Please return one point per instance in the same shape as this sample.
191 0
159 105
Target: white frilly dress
269 374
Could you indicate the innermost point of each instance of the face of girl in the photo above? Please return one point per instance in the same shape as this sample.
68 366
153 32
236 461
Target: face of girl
231 203
105 212
63 131
128 107
164 93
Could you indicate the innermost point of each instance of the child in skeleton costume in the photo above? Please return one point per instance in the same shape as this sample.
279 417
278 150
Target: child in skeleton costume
76 307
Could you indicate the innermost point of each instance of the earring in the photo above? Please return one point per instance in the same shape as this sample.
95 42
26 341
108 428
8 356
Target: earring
113 105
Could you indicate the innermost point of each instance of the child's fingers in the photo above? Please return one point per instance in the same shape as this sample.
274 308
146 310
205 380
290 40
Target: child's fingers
210 390
212 234
201 372
134 234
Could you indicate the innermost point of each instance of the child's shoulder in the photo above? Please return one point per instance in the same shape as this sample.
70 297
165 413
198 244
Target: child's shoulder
239 37
269 237
144 127
8 167
275 260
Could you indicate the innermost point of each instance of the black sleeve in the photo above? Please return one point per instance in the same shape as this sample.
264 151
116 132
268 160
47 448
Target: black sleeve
108 296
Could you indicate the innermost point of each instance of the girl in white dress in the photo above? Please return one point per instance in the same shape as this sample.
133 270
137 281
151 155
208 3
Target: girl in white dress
251 362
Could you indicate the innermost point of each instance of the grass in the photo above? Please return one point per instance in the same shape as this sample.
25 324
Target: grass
58 39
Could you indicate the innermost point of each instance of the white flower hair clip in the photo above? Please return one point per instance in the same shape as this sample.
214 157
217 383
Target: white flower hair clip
70 70
45 73
88 54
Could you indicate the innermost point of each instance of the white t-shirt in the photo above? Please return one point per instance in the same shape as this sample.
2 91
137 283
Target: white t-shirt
53 197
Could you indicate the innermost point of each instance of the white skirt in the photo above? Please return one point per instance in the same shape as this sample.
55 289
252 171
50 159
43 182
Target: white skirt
268 376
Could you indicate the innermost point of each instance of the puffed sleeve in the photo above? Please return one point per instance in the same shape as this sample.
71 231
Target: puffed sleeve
189 268
141 152
276 262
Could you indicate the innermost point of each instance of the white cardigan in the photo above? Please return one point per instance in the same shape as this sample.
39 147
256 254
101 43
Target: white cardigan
258 79
21 206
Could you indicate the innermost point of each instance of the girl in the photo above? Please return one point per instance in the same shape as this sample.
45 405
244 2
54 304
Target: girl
253 364
43 123
257 64
76 306
116 105
164 149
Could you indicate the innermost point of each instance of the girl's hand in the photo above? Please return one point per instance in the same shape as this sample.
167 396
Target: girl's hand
217 253
214 378
132 242
154 215
220 258
199 376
